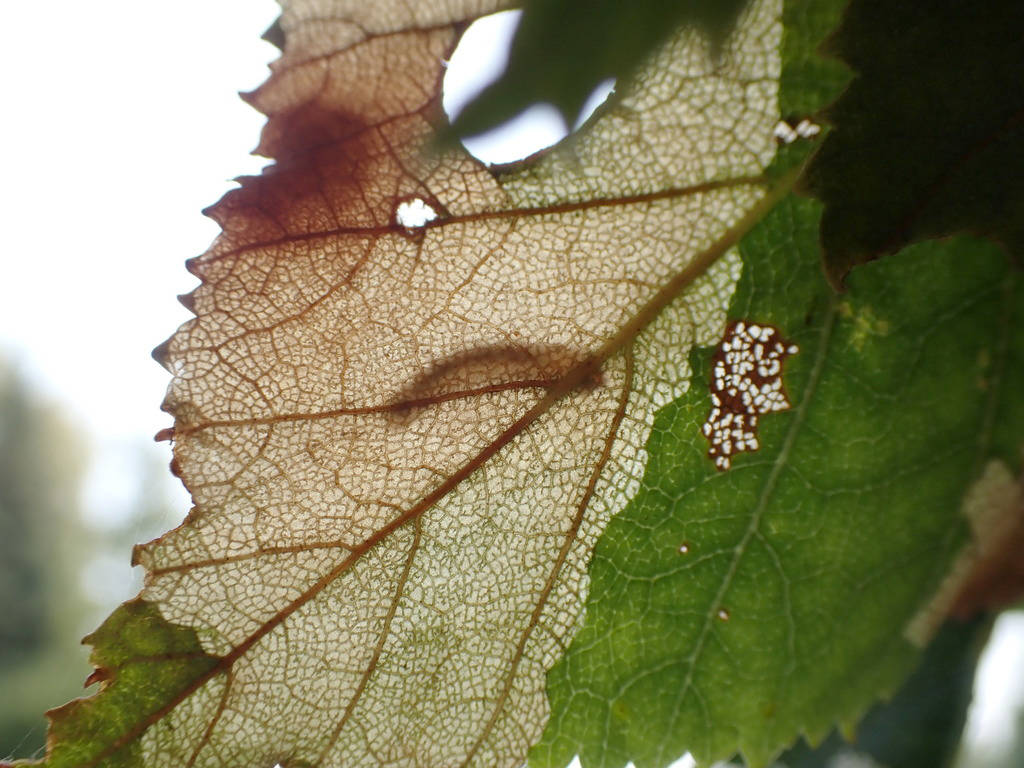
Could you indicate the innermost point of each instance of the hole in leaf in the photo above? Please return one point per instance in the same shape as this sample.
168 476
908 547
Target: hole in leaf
597 97
414 213
480 58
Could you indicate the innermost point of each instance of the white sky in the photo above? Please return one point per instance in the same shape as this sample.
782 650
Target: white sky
120 124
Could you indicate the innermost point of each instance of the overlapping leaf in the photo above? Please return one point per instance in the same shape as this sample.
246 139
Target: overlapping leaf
929 138
786 595
729 613
563 49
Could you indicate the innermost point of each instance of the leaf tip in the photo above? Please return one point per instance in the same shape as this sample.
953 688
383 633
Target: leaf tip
274 34
160 354
100 675
188 301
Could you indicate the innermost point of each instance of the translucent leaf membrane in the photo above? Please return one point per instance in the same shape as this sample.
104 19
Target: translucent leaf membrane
403 439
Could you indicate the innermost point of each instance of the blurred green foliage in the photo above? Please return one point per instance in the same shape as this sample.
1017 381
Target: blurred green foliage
48 551
41 466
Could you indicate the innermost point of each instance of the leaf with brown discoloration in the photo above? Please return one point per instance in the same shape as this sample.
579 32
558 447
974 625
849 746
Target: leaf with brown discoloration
402 446
988 574
402 443
449 476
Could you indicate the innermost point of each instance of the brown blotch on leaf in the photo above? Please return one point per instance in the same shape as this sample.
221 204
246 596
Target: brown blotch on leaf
746 382
304 129
988 573
996 580
490 369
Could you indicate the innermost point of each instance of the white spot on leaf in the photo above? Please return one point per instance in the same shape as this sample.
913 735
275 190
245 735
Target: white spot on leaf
805 129
786 133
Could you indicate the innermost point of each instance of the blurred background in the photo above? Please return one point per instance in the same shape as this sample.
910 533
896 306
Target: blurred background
122 124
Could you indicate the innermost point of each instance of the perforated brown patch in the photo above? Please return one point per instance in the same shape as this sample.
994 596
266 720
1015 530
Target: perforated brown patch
746 381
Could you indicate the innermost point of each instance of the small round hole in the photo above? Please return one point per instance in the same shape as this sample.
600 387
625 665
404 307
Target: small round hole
414 213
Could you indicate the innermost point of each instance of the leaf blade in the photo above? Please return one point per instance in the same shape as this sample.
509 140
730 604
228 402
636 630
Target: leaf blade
353 389
656 670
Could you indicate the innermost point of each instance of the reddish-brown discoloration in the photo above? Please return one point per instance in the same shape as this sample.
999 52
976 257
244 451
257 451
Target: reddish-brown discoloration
100 675
746 382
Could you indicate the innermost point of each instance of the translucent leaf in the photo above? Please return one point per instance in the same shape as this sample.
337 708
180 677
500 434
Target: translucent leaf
582 43
403 439
417 391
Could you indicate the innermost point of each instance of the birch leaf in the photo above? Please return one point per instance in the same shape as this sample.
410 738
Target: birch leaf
403 441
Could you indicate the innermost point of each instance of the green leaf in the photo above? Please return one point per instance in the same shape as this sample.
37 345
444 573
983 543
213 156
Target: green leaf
733 611
929 138
920 727
563 49
141 660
